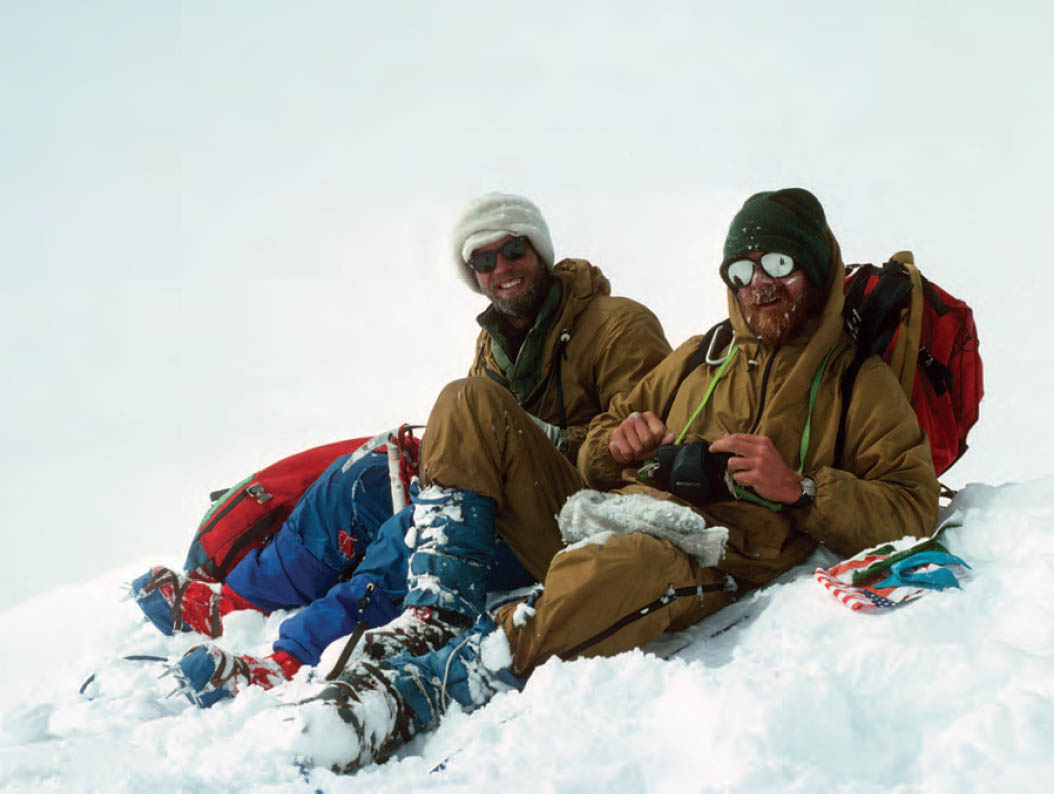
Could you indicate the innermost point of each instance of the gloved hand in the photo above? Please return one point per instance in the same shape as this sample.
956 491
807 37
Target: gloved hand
208 674
557 436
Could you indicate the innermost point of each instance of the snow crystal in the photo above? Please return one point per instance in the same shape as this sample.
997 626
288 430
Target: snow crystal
317 735
435 503
431 536
522 614
494 651
426 582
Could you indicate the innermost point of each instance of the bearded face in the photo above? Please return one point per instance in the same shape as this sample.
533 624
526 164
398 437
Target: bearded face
524 302
517 287
775 309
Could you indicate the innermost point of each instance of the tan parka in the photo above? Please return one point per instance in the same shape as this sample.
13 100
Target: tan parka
597 349
885 489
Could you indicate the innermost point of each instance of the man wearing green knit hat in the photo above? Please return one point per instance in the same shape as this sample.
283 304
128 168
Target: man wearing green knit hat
777 259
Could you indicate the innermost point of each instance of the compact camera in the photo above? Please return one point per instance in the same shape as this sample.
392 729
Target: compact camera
691 472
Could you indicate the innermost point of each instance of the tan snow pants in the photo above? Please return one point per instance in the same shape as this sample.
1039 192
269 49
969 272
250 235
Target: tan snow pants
479 439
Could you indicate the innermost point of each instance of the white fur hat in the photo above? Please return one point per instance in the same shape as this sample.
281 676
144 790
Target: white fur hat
490 218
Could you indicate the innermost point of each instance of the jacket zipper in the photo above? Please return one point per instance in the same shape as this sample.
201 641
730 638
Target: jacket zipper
764 389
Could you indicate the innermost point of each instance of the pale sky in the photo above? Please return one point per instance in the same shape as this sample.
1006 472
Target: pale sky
224 225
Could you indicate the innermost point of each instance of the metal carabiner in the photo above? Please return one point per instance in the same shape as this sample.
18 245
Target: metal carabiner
710 359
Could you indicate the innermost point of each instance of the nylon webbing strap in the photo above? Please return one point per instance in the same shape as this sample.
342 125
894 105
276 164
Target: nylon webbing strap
658 603
813 393
349 647
747 495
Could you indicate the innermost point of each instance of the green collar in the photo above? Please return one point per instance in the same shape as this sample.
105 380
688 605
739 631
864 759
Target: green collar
525 372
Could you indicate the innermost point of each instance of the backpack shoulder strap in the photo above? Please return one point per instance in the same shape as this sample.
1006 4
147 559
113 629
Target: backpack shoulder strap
905 354
846 389
871 320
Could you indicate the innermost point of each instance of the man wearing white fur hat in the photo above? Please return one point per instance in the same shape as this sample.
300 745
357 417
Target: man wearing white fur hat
555 350
552 335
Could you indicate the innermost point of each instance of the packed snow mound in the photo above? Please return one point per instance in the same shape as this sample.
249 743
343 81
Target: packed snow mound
785 691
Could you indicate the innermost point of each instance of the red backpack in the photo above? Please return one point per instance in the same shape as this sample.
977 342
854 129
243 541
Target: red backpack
248 515
928 338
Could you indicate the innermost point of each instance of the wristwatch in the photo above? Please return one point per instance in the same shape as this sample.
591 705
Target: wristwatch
808 493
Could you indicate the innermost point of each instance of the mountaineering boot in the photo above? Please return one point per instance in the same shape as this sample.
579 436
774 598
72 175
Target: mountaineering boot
452 546
208 674
386 703
370 712
470 668
416 631
173 602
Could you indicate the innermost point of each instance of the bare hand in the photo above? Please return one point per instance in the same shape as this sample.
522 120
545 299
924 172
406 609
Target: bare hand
638 437
756 463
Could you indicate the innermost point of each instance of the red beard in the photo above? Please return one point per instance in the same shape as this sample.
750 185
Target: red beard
772 313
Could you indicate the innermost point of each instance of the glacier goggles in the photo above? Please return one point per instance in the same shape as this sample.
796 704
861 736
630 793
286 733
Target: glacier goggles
486 262
776 264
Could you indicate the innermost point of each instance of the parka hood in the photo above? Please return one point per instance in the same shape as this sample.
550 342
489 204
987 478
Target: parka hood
582 281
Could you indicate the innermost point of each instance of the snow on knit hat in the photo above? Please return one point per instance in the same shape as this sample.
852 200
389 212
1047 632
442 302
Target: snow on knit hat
490 218
790 221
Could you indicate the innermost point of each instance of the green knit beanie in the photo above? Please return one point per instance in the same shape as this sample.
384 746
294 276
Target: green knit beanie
790 221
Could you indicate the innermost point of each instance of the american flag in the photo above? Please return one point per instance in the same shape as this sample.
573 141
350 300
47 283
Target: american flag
839 580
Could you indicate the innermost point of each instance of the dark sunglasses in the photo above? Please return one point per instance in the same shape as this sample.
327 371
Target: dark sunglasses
486 262
775 264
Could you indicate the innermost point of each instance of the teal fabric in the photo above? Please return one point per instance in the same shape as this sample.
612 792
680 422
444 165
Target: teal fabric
903 573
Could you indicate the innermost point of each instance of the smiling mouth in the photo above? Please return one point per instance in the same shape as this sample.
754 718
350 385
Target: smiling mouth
512 284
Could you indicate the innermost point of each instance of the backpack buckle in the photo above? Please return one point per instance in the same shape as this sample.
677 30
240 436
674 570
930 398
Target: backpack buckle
852 324
258 492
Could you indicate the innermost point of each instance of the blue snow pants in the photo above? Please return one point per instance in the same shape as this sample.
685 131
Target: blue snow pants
340 537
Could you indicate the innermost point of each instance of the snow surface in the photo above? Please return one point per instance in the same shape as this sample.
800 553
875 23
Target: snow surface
953 692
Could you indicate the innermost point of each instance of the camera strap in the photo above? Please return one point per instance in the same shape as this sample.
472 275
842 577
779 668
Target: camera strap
737 490
706 395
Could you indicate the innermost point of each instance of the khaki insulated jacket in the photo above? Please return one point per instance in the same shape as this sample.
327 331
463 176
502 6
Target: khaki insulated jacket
884 490
596 350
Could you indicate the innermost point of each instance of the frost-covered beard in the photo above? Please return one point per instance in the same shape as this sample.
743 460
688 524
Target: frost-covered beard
528 302
772 313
